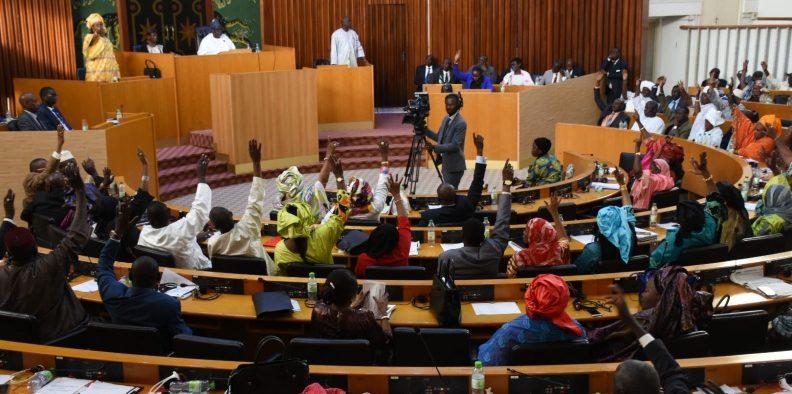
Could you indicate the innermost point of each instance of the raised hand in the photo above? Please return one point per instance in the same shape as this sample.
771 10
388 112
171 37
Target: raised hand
764 65
90 167
661 80
384 149
457 56
72 174
478 141
394 185
61 138
619 177
254 150
124 220
700 165
617 299
508 171
338 168
600 76
107 177
553 203
8 204
331 148
203 164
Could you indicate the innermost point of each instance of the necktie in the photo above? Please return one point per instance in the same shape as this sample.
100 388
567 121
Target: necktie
427 74
443 128
61 119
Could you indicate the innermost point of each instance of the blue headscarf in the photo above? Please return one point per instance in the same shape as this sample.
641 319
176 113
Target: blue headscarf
614 225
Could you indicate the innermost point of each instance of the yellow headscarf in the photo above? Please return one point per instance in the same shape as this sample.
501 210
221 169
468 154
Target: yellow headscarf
93 18
295 220
772 120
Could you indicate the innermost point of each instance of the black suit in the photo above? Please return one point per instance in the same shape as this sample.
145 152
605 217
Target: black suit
613 77
49 120
576 72
435 78
464 207
672 377
27 122
421 77
606 110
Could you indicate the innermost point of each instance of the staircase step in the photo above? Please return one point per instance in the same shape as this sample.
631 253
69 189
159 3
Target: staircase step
173 174
354 163
352 151
175 156
366 138
187 186
202 138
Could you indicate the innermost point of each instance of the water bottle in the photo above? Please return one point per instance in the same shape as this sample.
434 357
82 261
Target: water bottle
258 48
486 228
623 124
746 187
191 387
39 380
121 190
8 116
601 172
85 125
312 287
503 88
494 195
653 216
570 171
430 236
119 115
477 379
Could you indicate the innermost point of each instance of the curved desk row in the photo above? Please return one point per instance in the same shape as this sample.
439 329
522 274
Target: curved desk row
137 370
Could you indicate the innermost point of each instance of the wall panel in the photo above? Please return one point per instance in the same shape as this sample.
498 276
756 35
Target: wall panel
36 41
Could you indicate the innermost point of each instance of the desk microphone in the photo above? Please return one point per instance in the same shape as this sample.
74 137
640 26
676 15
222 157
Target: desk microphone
544 380
445 387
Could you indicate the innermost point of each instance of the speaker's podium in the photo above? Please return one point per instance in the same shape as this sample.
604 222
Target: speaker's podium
277 108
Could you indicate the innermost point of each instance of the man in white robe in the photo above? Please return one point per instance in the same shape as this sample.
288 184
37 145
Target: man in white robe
651 122
217 42
345 47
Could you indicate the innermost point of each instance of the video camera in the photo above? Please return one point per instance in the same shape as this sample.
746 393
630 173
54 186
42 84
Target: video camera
417 111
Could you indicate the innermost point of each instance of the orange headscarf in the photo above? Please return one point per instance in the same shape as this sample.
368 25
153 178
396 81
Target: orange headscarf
546 298
772 120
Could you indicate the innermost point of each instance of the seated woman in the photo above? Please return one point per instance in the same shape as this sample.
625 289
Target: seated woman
753 137
725 204
656 178
546 168
388 245
548 244
670 307
775 211
304 243
338 314
291 188
697 228
615 234
545 320
368 203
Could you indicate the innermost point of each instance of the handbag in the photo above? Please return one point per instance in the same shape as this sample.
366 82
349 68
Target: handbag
444 300
270 372
353 242
153 71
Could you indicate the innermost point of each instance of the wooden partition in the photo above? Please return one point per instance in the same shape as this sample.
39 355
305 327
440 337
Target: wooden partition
780 110
608 144
108 145
283 58
131 64
77 100
512 120
345 97
277 108
437 88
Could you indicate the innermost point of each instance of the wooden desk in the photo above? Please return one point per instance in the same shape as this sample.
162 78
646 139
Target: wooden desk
780 110
345 97
145 370
438 88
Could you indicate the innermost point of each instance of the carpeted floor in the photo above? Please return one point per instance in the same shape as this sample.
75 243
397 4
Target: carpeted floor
235 197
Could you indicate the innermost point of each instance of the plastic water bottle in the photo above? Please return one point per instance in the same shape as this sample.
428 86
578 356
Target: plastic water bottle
570 171
494 195
85 126
39 380
119 114
503 88
430 236
623 124
477 379
653 216
191 387
312 287
258 48
486 228
746 187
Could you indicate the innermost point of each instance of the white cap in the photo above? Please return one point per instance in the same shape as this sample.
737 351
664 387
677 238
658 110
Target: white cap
738 92
715 118
647 84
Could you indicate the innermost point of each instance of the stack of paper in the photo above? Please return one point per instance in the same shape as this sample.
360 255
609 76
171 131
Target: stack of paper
515 247
645 235
88 286
753 278
496 308
184 287
447 247
605 186
414 246
668 226
585 239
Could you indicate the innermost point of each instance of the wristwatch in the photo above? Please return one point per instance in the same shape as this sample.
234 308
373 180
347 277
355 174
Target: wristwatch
507 182
339 179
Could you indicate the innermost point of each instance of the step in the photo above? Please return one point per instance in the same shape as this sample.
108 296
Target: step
173 174
202 138
187 186
175 156
351 151
366 138
355 163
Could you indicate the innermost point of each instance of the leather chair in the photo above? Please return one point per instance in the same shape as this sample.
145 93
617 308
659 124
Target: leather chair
664 199
634 264
122 338
320 270
18 327
409 272
692 344
448 346
163 258
738 332
331 351
193 346
703 255
239 265
551 353
761 245
626 161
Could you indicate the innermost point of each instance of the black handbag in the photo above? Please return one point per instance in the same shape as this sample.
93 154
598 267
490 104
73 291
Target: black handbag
153 71
353 242
269 372
445 298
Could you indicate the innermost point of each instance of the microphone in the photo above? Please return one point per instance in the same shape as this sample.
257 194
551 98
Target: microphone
544 380
417 330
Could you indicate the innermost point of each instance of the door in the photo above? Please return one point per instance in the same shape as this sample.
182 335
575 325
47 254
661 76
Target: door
174 21
386 49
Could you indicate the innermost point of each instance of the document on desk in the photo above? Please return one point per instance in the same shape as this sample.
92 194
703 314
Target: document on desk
585 239
107 388
4 379
447 247
64 386
516 248
183 288
89 286
414 246
604 186
295 305
645 235
496 308
433 206
753 278
669 225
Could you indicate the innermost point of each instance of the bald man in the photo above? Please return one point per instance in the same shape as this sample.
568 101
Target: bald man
345 47
28 120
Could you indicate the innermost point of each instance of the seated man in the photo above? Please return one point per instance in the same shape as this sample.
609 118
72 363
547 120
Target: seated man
48 114
679 99
142 304
28 119
178 237
244 237
553 75
572 70
445 75
456 209
711 135
481 257
36 284
472 80
516 75
679 124
217 42
643 95
610 115
40 169
649 120
545 168
545 320
49 203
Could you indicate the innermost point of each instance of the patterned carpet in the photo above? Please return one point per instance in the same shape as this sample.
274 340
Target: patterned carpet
235 197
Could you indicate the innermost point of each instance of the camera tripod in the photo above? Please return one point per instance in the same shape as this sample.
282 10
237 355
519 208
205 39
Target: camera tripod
413 171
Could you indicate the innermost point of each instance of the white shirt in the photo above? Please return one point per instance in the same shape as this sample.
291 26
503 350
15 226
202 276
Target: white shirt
698 124
429 70
521 79
157 48
709 138
244 239
178 238
212 46
379 201
653 125
639 103
445 76
345 48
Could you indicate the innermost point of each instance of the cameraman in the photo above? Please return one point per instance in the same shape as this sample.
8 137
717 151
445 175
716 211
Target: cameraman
450 139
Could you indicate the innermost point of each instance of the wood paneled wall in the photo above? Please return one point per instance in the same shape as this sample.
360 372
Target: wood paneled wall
539 31
36 41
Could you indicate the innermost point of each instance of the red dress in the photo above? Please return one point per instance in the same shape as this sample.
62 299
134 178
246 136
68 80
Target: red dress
399 256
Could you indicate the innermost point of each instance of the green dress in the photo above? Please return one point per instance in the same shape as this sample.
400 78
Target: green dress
545 169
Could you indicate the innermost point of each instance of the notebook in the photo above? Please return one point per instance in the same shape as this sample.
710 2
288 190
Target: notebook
267 302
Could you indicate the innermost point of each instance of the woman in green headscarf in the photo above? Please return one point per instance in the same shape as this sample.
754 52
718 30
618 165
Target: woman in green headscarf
775 211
